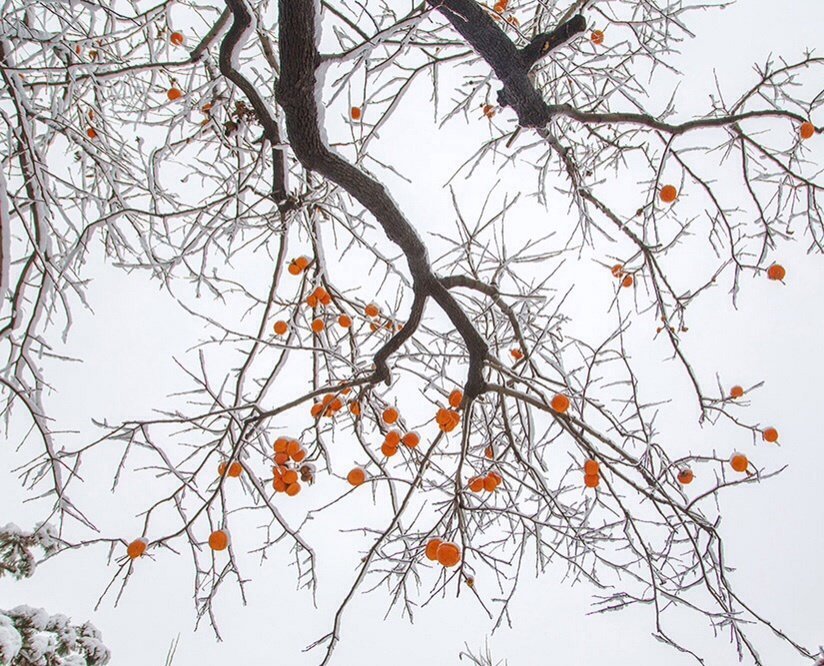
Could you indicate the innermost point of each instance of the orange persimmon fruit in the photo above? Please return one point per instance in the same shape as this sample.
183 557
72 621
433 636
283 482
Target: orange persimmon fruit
560 403
219 540
668 193
356 476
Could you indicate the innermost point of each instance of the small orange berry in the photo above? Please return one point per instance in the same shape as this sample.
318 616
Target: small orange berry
432 549
449 554
617 270
293 268
302 262
668 193
517 354
597 37
281 327
278 485
390 415
136 548
173 94
411 440
776 272
355 113
592 480
372 310
560 403
219 540
393 438
739 462
281 443
592 467
627 281
685 476
318 326
807 130
317 410
292 447
355 408
356 476
736 392
91 133
770 435
235 469
177 38
491 482
299 455
289 477
388 450
476 484
344 321
456 398
488 110
293 489
281 458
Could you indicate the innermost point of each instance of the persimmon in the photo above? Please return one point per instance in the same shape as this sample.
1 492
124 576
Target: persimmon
476 484
344 321
372 310
685 476
411 440
293 268
355 408
447 419
336 404
91 133
592 480
281 327
174 93
388 450
293 489
739 462
517 354
617 270
177 38
281 443
219 540
136 548
776 272
806 130
316 410
491 482
235 469
290 476
279 485
736 392
356 476
432 549
488 110
456 398
770 435
355 113
299 455
597 37
627 281
449 554
302 262
312 301
592 467
489 452
560 403
281 458
393 438
318 326
668 193
292 447
390 415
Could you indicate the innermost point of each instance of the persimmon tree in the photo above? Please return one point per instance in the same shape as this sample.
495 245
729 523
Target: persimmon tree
241 155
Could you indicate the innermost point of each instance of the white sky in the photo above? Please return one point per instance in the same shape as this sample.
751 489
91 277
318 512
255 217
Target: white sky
774 532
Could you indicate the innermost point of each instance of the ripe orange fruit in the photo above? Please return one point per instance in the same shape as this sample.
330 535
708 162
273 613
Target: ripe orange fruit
432 549
393 438
617 270
317 410
91 133
560 403
292 489
491 482
344 321
390 415
488 110
739 462
449 554
770 435
312 301
235 469
456 398
597 37
219 540
136 548
356 476
388 450
489 452
281 444
281 327
302 262
592 467
447 419
355 113
372 310
807 130
476 484
685 476
592 480
354 408
776 272
279 485
173 94
736 392
177 38
299 455
517 354
292 447
318 326
281 458
289 477
627 281
411 440
668 193
293 268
